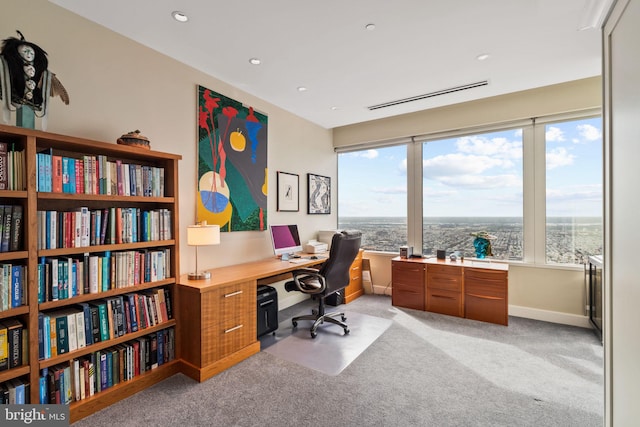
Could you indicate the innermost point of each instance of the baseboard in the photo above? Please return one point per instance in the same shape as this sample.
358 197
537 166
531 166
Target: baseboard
549 316
381 290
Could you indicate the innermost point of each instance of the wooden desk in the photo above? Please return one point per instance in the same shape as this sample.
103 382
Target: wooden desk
218 326
473 289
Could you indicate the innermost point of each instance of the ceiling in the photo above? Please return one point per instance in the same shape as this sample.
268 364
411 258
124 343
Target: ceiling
418 47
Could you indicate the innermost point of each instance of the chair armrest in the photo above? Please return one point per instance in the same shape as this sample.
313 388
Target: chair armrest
303 277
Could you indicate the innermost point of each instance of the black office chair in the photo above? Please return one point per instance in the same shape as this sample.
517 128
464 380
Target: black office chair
332 276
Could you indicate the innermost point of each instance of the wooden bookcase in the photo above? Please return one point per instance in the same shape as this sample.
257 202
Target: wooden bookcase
29 254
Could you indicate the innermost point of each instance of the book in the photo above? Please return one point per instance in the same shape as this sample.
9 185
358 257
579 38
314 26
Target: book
14 341
4 348
6 229
4 166
16 228
17 285
56 174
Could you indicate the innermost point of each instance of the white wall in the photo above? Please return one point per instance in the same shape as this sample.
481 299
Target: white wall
117 86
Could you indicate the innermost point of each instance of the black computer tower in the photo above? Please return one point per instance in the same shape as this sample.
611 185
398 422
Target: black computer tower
267 310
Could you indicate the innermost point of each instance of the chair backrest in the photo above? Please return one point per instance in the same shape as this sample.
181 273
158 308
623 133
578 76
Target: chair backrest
344 249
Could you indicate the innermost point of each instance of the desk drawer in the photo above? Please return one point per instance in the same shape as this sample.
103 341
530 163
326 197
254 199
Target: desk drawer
445 302
408 274
226 302
485 282
228 336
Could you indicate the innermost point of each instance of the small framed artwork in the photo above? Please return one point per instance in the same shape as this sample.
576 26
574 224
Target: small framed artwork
319 191
288 192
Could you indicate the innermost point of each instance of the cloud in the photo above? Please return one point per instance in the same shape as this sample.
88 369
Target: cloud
589 132
499 147
460 164
559 157
554 134
367 154
482 181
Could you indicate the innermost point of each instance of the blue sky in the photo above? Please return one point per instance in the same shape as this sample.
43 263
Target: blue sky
478 175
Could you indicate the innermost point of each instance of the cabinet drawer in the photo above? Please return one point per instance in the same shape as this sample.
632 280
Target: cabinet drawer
485 282
445 302
411 274
224 339
407 296
226 302
486 308
437 280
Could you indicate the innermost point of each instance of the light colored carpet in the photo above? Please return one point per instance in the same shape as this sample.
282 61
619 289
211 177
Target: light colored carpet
331 351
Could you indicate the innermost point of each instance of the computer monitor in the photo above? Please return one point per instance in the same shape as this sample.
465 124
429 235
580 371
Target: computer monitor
285 239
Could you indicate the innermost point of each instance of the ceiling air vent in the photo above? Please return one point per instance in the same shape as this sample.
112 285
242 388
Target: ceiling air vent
429 95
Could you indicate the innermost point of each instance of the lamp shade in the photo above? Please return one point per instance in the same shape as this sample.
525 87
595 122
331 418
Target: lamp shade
203 235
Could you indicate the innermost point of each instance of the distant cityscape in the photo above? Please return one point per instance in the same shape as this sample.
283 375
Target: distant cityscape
570 240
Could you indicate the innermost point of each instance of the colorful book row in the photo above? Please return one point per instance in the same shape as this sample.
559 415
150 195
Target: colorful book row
62 278
86 376
83 227
73 328
97 175
15 392
13 286
11 168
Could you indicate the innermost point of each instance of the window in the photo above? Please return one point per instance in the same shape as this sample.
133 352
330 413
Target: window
471 184
537 188
372 196
574 190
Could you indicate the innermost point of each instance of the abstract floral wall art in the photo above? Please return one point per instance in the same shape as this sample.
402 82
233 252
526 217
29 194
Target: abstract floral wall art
232 163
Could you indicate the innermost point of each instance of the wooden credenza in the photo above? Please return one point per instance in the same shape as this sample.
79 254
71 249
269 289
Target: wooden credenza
473 289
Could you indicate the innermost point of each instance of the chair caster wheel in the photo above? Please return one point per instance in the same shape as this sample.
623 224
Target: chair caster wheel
346 331
295 324
344 318
314 334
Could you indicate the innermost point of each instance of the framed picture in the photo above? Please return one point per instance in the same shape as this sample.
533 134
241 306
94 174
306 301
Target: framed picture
288 192
319 191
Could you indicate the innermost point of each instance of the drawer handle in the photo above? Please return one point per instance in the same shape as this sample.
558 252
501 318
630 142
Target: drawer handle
233 329
262 304
233 294
443 296
485 297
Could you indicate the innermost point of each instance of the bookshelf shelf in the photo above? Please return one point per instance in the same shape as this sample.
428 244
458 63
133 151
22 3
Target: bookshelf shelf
16 255
14 373
14 312
103 344
138 180
105 294
105 248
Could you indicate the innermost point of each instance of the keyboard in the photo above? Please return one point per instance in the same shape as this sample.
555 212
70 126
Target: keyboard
298 260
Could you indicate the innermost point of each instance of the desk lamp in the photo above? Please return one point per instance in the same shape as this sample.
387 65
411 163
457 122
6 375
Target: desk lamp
202 234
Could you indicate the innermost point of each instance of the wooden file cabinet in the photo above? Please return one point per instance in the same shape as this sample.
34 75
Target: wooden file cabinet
355 288
408 284
486 295
473 289
444 290
218 327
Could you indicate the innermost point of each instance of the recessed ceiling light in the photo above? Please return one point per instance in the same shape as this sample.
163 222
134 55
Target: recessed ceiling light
370 27
482 56
179 16
301 89
334 108
255 61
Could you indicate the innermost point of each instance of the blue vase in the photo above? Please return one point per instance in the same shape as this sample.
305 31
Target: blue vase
482 247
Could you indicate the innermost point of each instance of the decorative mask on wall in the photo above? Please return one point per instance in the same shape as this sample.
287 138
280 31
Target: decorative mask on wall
25 79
